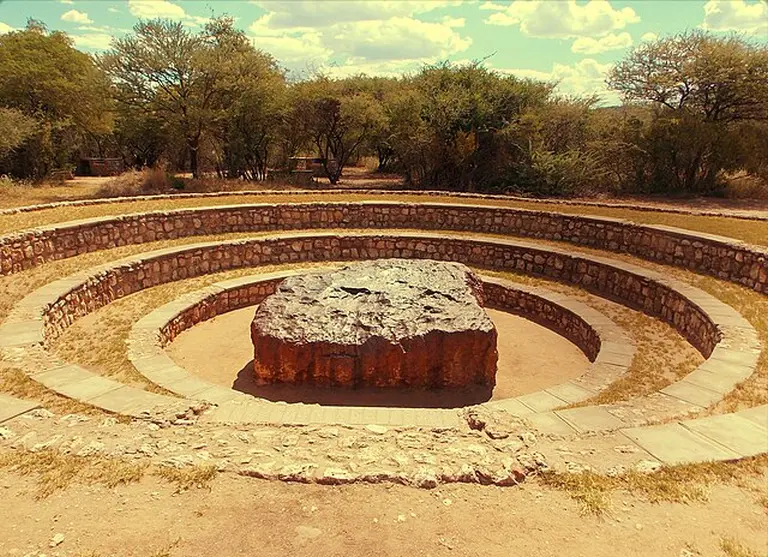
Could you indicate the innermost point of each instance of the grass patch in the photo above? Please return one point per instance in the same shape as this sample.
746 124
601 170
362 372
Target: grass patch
733 548
662 359
147 181
55 471
678 484
16 383
189 477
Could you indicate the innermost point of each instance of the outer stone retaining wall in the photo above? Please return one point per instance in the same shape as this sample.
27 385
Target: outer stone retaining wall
631 285
724 258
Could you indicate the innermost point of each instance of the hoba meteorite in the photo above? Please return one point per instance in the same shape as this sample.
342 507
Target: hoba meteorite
382 323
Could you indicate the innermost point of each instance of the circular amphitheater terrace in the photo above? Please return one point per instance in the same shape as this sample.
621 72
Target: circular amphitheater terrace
595 283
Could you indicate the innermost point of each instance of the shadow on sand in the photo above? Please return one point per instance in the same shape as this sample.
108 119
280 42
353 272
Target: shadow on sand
245 383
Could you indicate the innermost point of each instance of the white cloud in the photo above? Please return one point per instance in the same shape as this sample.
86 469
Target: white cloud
565 20
649 36
586 77
311 13
736 15
151 9
96 28
612 41
357 36
76 17
93 41
305 48
4 28
70 2
155 8
493 6
398 38
453 22
114 10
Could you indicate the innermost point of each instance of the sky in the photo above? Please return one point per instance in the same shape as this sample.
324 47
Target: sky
572 42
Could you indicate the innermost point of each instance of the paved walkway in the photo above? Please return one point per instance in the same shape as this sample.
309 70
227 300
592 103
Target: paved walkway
10 407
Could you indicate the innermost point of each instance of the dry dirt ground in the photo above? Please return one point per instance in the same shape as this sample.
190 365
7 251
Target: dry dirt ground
241 516
220 351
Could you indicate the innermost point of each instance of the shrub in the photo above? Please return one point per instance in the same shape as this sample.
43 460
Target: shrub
136 182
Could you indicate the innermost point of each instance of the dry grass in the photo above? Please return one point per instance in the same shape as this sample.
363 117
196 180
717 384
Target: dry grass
17 194
754 308
189 477
16 383
733 548
746 186
147 181
663 355
679 484
15 287
55 471
751 305
98 341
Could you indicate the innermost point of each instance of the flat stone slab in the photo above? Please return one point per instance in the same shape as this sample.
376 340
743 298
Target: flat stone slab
693 393
541 401
732 431
590 418
675 444
89 388
550 423
756 414
10 407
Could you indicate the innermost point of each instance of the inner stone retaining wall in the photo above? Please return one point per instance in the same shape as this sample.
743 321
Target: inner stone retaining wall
514 300
631 285
724 258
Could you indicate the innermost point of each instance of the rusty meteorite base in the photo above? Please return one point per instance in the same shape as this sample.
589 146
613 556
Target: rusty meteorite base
384 323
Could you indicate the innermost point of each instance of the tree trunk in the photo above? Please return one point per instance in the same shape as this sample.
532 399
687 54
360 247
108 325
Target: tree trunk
193 146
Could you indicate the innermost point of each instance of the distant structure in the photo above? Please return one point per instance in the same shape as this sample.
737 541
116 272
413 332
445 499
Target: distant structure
99 167
302 171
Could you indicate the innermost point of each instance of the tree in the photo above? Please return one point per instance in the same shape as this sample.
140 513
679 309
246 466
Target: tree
719 79
448 126
702 88
337 123
176 75
43 77
250 106
15 128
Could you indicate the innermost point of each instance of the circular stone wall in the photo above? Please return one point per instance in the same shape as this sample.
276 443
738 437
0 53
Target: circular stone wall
385 323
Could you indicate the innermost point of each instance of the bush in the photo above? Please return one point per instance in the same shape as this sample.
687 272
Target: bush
745 186
147 181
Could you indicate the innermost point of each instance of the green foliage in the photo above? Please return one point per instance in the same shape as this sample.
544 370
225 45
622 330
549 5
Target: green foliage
15 128
337 118
695 114
186 80
45 79
704 91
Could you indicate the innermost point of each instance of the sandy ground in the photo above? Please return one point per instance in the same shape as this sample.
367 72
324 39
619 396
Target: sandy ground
531 357
241 516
